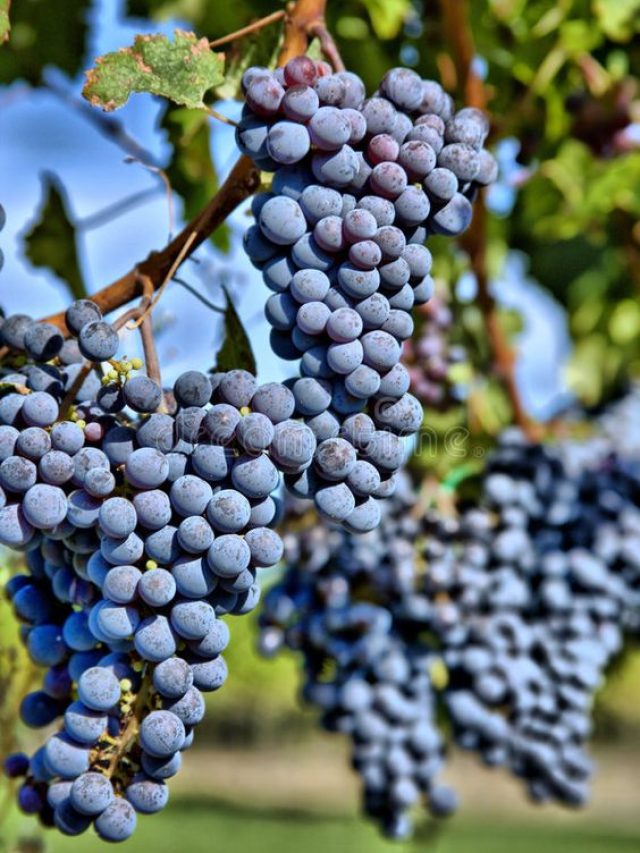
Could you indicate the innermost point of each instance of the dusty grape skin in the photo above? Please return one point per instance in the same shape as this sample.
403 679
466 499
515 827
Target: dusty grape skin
360 290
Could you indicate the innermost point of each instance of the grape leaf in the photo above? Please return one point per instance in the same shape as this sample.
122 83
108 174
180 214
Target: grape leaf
387 16
51 242
181 71
191 171
235 352
42 35
5 24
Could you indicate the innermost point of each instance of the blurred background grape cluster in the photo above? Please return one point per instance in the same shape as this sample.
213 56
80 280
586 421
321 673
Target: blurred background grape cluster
561 249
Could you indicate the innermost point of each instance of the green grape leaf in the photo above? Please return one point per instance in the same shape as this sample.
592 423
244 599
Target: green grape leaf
260 48
619 19
42 35
51 242
387 16
460 473
235 352
182 70
624 322
5 24
191 171
585 370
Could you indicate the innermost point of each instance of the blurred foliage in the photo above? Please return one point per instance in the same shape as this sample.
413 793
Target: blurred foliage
5 23
235 352
51 240
198 822
617 712
39 38
573 69
259 701
191 171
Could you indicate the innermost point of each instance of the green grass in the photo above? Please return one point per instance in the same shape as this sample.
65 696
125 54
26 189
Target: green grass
202 826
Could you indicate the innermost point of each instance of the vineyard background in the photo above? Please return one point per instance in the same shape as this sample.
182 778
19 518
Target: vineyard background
563 253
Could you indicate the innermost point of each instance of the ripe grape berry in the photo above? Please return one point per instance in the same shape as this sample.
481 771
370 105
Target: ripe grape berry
358 185
145 514
525 601
142 531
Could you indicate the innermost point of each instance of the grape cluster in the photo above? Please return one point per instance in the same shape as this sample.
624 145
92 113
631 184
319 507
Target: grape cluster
619 425
530 594
517 605
142 528
333 608
431 357
358 186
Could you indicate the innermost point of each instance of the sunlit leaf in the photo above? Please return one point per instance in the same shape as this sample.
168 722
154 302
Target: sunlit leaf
624 323
387 16
51 242
182 70
618 18
351 27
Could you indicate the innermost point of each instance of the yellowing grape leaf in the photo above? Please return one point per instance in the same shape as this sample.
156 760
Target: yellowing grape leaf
182 71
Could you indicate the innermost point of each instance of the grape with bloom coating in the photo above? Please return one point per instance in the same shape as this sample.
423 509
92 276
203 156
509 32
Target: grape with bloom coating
165 513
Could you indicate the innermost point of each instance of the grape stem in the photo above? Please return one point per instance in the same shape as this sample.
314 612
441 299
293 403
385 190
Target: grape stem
196 293
300 21
107 125
72 393
457 32
156 170
328 46
273 18
148 286
220 117
241 183
151 359
113 211
130 730
130 315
